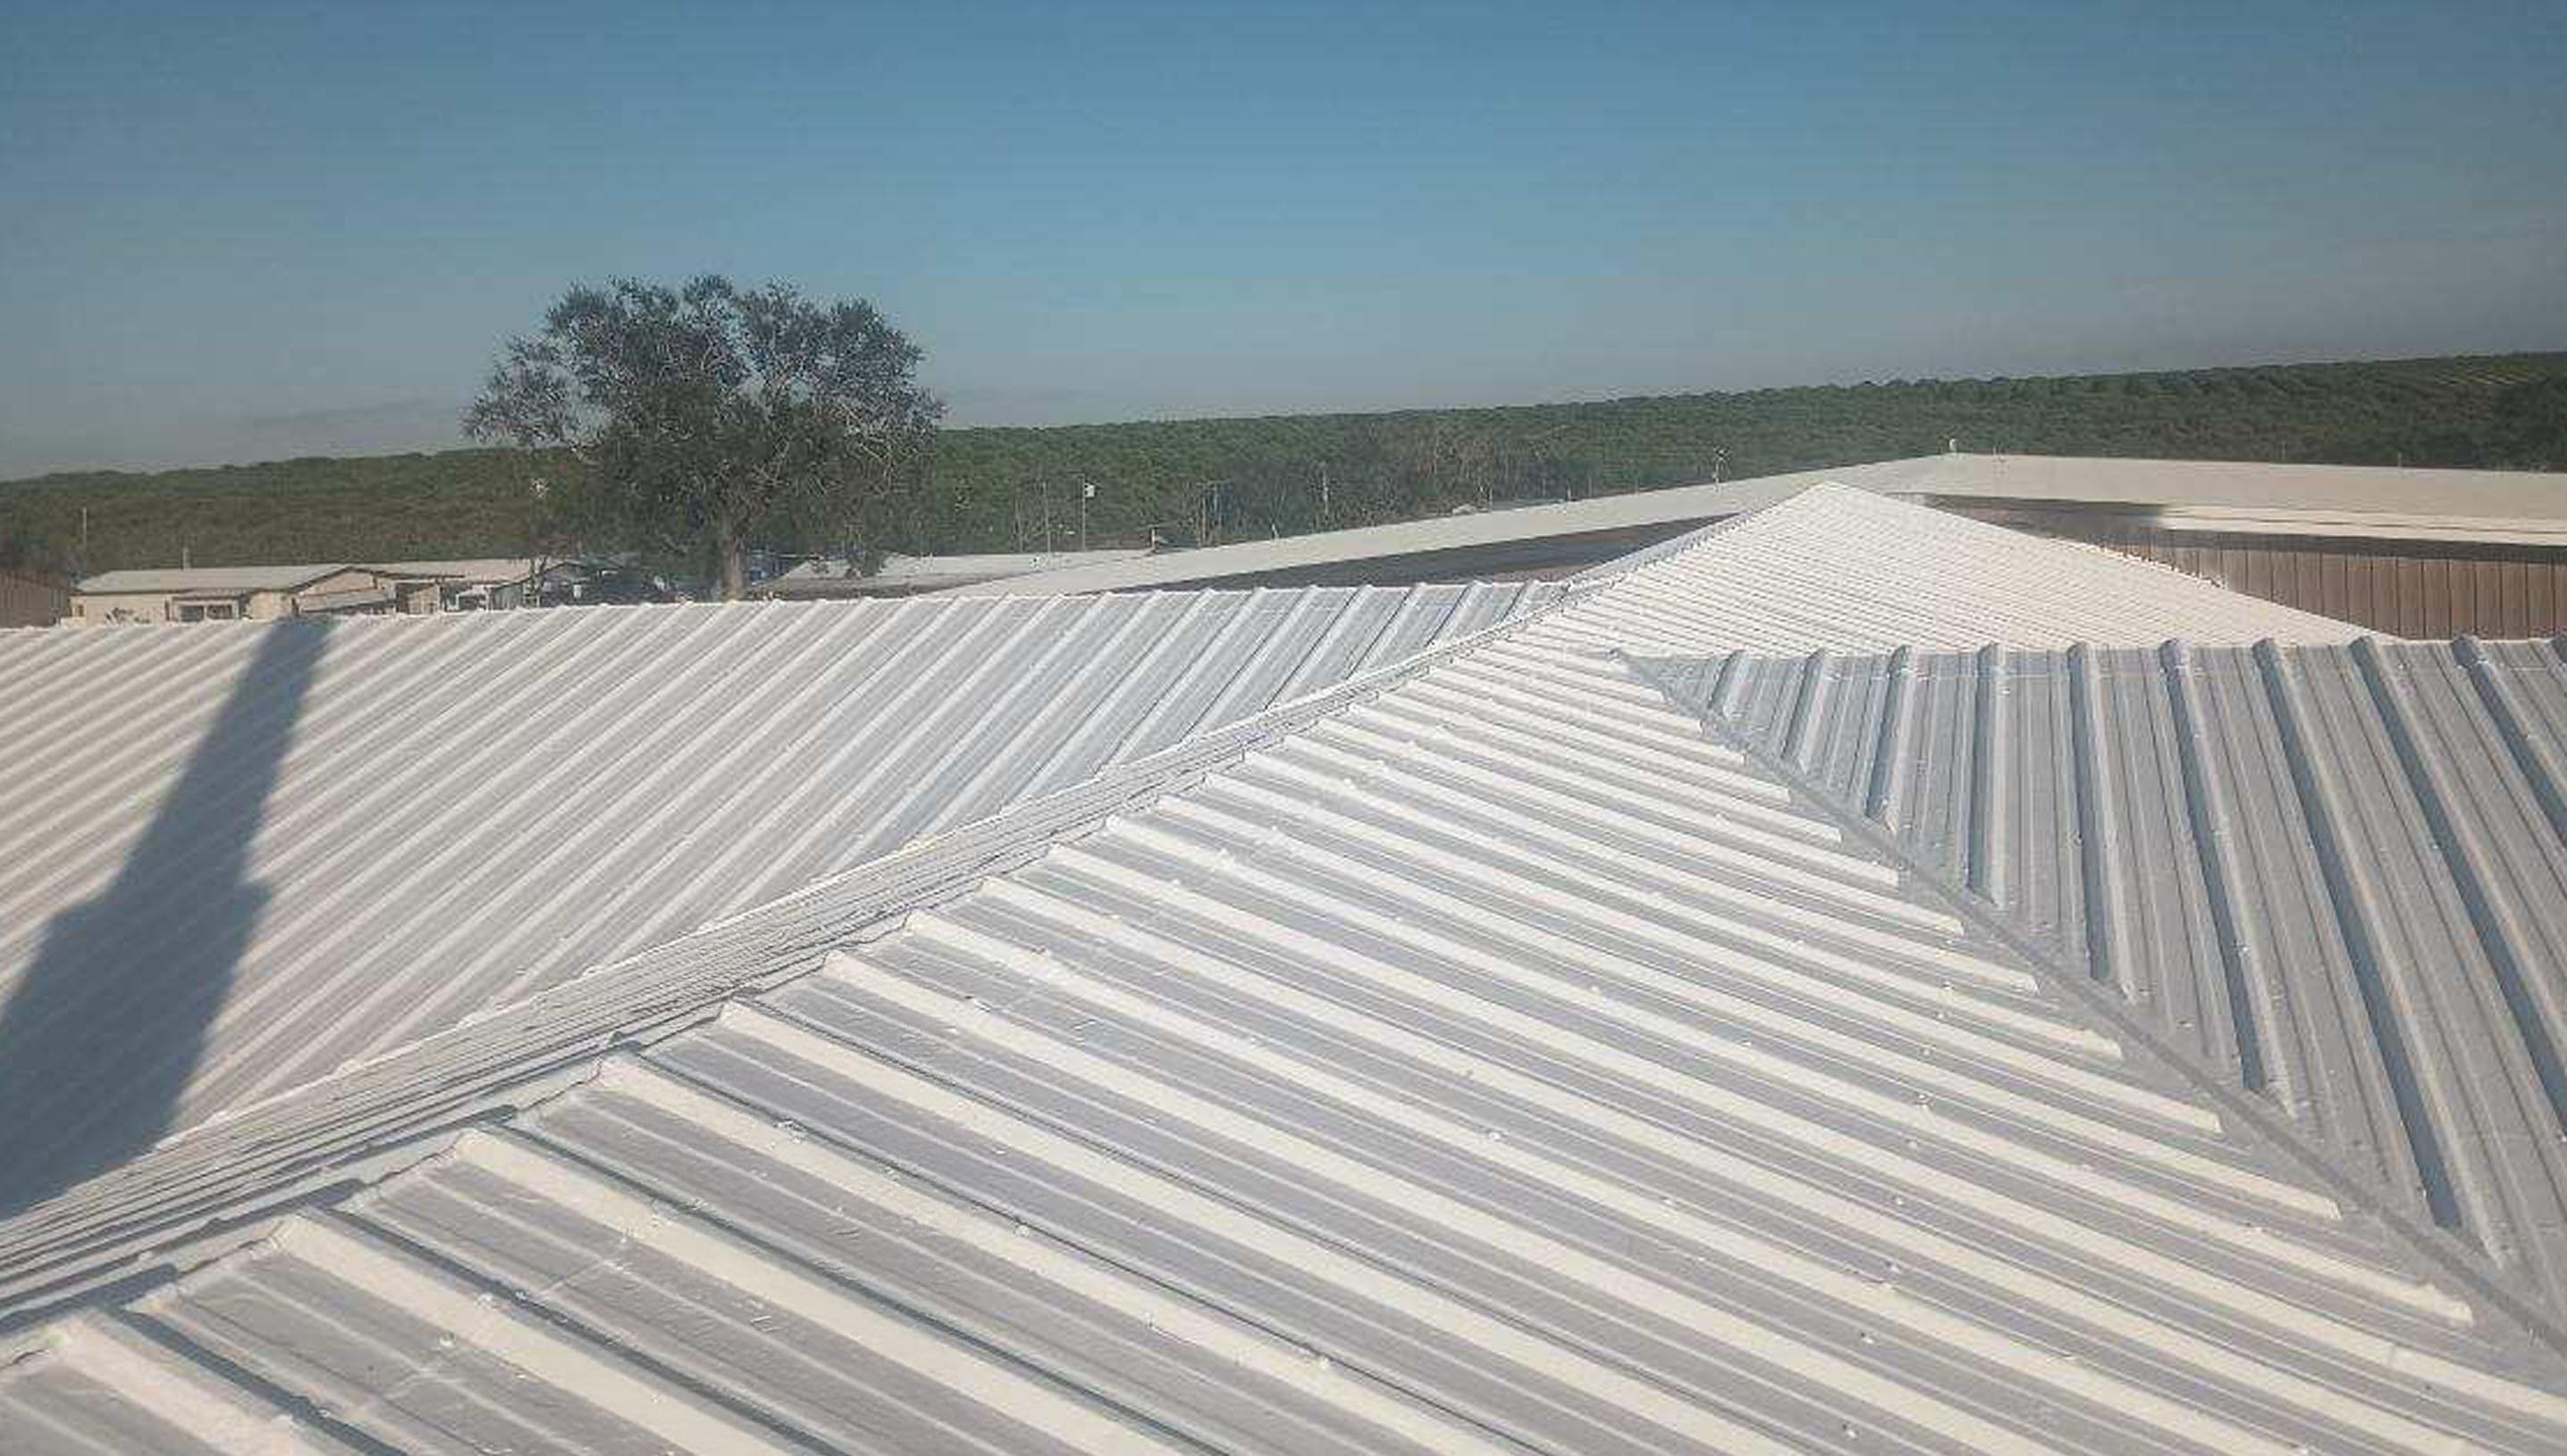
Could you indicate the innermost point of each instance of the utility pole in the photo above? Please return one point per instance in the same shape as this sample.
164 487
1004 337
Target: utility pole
1046 499
1327 517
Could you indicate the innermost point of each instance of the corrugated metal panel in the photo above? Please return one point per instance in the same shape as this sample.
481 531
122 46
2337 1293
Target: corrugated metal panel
234 858
1399 1086
224 1175
2334 877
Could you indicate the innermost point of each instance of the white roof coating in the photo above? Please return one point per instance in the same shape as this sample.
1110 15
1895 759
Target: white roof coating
2333 878
1836 567
1474 1056
240 856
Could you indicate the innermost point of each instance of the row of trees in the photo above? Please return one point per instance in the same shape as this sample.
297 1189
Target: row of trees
821 403
1220 479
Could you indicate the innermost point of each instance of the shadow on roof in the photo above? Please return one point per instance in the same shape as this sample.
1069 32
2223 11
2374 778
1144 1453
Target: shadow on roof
129 981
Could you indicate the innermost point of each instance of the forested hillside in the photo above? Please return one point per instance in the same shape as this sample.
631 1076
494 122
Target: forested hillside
987 489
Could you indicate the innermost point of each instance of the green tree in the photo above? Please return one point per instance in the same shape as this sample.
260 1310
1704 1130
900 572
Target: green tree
708 415
2529 428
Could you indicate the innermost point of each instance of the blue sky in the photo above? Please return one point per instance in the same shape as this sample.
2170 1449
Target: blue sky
246 231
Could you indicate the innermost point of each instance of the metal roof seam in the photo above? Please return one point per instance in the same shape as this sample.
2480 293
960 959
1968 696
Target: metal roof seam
2445 1254
2206 810
2539 767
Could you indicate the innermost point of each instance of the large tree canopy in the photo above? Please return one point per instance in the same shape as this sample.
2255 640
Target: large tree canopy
708 413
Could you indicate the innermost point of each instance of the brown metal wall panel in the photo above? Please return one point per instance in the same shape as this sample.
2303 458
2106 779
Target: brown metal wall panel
2401 588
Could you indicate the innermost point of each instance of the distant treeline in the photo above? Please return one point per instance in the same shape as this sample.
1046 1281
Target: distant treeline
1224 479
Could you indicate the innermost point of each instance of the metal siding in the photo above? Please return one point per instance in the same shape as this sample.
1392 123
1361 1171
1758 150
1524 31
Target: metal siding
2423 589
28 601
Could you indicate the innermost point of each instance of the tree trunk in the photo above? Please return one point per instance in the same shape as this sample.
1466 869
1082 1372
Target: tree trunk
727 559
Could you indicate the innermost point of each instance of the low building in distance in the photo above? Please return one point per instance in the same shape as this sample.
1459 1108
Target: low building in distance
342 589
246 593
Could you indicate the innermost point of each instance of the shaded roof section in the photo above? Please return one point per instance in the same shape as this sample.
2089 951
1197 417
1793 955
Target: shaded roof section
352 835
2332 877
1476 1057
2210 495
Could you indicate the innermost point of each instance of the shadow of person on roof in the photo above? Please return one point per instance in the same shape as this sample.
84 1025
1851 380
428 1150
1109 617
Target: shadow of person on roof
100 1037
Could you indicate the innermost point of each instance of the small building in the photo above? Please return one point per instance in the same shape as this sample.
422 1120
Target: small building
906 576
479 583
246 593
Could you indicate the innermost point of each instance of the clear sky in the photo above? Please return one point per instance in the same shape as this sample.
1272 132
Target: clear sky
242 231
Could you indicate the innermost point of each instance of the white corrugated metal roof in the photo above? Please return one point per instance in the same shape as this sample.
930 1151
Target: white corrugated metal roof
2331 878
1836 567
1475 1057
2208 496
233 858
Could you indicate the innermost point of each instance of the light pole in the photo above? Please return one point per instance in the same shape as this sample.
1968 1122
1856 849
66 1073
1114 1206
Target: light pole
1086 493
